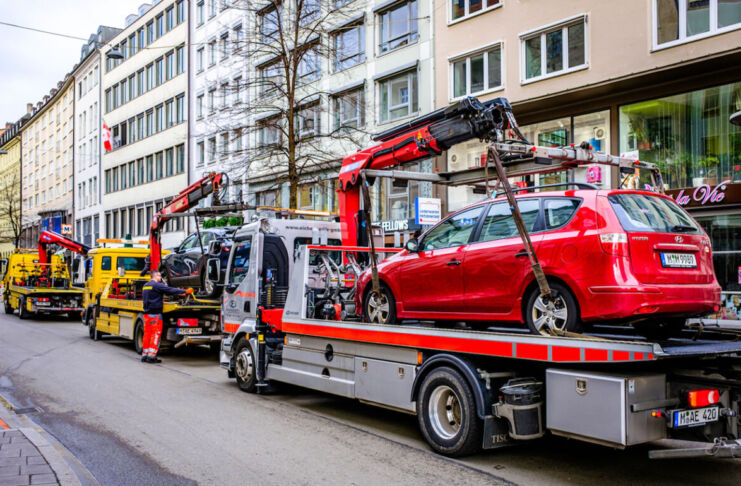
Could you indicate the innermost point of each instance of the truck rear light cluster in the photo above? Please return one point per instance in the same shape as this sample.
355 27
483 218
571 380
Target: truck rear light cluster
702 398
188 322
614 243
42 299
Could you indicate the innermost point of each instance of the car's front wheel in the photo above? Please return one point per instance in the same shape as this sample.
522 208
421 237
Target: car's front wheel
208 287
380 307
554 315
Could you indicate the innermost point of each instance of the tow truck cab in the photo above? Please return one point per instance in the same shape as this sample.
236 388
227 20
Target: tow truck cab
28 290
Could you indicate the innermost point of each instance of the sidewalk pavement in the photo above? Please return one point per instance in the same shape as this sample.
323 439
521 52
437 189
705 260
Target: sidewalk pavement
27 458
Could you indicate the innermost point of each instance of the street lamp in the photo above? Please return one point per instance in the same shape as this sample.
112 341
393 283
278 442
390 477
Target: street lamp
114 53
736 118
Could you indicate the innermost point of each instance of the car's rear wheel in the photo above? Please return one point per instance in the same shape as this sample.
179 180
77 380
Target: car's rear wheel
380 307
554 315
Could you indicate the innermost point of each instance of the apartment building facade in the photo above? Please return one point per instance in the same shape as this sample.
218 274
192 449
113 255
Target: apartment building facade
144 106
47 140
372 70
88 144
218 72
654 79
10 187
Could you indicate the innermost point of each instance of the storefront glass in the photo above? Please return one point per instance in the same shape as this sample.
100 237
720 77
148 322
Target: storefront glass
725 234
687 135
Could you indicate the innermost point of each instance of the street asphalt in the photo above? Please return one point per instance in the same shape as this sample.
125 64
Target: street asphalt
185 422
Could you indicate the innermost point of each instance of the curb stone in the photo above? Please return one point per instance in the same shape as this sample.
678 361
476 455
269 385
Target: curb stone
64 474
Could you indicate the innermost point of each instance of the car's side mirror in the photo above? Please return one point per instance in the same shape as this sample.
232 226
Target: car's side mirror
121 272
213 269
412 245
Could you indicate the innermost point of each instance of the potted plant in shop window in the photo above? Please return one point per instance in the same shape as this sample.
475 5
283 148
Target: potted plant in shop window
709 165
638 131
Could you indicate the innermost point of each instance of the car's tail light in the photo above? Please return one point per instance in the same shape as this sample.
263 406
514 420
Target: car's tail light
614 243
702 398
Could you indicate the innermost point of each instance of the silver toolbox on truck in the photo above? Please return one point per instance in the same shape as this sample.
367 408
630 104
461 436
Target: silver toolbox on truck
598 407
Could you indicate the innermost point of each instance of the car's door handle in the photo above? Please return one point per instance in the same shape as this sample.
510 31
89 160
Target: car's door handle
522 253
453 262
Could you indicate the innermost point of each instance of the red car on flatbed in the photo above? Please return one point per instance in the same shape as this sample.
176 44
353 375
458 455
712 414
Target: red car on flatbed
622 255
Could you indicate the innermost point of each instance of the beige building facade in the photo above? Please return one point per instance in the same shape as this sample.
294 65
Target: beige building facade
47 163
10 187
144 105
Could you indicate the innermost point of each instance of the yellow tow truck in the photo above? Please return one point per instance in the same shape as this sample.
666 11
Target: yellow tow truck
35 288
113 303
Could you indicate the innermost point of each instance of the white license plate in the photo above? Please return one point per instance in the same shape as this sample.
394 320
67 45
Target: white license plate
678 260
697 416
43 303
191 330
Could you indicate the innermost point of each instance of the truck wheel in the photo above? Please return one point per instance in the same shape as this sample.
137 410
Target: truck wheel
244 366
92 327
446 412
380 308
8 307
139 337
22 311
560 311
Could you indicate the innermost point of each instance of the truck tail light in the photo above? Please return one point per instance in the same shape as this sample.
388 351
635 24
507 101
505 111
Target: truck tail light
188 322
614 243
43 299
702 398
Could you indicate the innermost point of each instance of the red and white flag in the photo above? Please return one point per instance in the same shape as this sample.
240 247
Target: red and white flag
106 137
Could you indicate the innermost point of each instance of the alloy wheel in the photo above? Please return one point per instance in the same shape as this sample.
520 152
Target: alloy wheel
550 314
445 412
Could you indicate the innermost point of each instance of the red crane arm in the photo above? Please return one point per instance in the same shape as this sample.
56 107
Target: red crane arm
185 200
418 139
47 238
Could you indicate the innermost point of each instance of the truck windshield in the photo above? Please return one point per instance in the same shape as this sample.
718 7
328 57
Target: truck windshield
240 262
130 264
645 213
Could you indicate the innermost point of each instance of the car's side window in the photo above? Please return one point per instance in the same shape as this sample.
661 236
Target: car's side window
188 243
500 224
559 211
206 238
454 231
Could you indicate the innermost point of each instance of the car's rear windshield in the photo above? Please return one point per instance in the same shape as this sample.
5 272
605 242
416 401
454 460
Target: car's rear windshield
646 213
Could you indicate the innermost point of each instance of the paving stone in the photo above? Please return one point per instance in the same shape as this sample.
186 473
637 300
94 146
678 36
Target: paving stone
9 471
14 433
19 441
44 479
35 460
29 451
9 452
17 481
36 469
12 461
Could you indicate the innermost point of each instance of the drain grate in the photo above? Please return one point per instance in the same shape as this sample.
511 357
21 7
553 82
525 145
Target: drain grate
26 410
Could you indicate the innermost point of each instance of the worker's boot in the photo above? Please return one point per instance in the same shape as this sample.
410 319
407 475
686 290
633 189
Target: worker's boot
154 360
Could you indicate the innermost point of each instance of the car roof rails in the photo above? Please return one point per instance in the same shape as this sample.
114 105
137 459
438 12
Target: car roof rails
578 185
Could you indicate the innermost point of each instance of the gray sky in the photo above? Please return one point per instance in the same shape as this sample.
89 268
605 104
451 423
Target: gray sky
31 63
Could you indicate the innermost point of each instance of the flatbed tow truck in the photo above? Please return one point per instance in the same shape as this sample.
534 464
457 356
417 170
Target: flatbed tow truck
38 282
480 389
113 303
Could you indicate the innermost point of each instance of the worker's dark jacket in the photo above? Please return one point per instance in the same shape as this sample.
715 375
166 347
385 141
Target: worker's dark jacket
153 293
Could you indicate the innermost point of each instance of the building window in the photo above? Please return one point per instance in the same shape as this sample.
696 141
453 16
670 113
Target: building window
150 122
132 43
200 59
169 162
212 53
150 168
238 37
169 65
224 45
309 67
160 70
270 78
180 59
170 16
160 21
200 153
212 100
150 32
310 10
349 109
199 106
465 8
200 13
158 165
141 35
224 144
554 51
224 95
307 121
269 24
349 47
656 131
269 132
211 149
237 90
180 159
398 26
477 73
676 22
150 77
169 113
399 96
180 7
180 108
140 133
159 117
211 9
237 141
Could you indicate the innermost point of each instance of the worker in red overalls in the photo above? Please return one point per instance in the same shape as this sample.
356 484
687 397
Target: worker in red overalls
152 297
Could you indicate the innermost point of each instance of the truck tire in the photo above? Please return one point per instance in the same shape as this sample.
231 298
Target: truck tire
244 366
22 311
8 307
92 327
446 413
139 337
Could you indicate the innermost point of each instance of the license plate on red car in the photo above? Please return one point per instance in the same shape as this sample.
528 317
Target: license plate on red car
678 260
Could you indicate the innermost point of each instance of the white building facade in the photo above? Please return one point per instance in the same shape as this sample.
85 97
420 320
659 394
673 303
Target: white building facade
217 72
144 105
88 144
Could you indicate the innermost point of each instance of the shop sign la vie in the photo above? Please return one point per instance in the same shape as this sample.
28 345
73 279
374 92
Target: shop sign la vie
702 195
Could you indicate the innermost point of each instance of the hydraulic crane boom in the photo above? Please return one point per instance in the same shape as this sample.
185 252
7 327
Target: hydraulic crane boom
420 138
47 238
187 199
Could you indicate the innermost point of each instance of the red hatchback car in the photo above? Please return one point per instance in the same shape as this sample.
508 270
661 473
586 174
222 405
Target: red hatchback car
610 255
